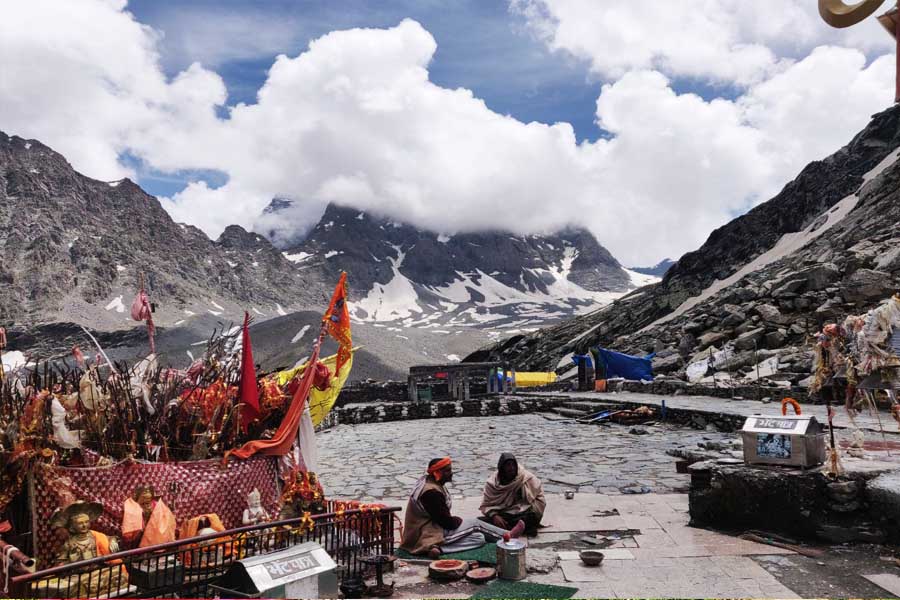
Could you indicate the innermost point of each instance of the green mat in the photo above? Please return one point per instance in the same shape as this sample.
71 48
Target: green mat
500 588
487 554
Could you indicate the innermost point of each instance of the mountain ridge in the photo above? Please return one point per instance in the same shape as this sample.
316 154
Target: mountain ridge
764 281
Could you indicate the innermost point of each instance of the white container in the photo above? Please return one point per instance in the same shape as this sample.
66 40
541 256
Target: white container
511 559
797 441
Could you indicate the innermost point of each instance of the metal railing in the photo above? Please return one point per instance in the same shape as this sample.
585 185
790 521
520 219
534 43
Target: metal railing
186 568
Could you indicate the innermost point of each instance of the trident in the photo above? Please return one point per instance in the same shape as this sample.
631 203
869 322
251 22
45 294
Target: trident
838 14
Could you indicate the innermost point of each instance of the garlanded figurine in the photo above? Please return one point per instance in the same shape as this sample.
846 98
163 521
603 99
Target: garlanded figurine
147 518
83 542
254 514
304 495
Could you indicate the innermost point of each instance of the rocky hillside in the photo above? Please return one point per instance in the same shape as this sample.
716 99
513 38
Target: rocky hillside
72 248
827 245
410 277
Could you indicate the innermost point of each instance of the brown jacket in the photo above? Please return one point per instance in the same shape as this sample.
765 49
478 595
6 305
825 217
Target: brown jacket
420 531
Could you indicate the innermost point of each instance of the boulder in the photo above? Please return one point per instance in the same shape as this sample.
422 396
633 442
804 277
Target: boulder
693 327
711 338
768 313
667 364
819 277
686 344
890 260
776 339
788 288
734 316
867 284
749 340
796 329
830 309
744 327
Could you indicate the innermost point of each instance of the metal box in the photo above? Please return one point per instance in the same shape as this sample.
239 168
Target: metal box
155 572
795 441
302 571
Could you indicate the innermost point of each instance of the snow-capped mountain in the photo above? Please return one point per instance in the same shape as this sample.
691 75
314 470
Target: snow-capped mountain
413 278
824 248
658 270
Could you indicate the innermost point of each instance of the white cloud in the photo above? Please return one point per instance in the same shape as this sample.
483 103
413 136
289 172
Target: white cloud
726 41
355 120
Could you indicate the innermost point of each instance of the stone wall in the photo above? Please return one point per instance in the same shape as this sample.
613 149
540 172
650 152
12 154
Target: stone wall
366 393
375 412
397 391
668 387
804 504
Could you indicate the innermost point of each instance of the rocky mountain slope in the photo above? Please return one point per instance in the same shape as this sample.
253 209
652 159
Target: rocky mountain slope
415 278
827 245
72 248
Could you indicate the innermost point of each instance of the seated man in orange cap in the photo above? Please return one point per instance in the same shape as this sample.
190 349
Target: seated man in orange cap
430 528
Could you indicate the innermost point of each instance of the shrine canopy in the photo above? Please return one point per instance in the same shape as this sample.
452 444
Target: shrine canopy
615 364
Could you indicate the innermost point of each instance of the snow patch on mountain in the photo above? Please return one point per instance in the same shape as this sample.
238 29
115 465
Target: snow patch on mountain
397 299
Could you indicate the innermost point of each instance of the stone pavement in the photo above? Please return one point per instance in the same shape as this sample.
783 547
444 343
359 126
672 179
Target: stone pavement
664 558
383 460
656 554
870 422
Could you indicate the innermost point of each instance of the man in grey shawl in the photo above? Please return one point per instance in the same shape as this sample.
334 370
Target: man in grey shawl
513 493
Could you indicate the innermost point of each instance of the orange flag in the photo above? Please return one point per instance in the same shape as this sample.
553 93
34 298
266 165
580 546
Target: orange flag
337 323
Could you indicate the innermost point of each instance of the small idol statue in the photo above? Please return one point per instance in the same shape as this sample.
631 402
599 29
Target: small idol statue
254 514
83 542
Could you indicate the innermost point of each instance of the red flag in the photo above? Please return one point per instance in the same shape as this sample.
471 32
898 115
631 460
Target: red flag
249 391
286 434
337 323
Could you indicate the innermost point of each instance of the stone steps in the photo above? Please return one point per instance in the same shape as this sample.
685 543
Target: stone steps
571 413
590 407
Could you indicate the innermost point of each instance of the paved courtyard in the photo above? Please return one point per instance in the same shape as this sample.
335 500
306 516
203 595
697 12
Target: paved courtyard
383 460
651 550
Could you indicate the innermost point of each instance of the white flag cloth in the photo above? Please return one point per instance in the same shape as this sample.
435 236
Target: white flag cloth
308 449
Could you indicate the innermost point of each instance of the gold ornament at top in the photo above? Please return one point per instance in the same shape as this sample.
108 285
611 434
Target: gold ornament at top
838 13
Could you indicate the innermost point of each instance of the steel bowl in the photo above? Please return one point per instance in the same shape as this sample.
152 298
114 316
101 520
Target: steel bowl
591 558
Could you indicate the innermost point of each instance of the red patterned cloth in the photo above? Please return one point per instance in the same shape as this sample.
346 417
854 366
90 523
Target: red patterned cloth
189 488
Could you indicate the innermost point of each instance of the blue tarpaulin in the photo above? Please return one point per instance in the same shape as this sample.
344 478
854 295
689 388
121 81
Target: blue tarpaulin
616 364
583 358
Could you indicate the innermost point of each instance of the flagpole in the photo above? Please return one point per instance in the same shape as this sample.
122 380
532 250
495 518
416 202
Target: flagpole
315 353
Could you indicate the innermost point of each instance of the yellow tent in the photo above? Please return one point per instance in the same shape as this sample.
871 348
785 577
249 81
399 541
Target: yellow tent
320 401
526 379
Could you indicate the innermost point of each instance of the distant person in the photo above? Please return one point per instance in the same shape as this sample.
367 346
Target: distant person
511 494
430 528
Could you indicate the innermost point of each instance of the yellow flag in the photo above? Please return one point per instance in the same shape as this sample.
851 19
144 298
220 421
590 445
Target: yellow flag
321 401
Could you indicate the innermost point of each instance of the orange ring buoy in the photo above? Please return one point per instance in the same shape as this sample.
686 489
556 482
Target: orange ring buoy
792 402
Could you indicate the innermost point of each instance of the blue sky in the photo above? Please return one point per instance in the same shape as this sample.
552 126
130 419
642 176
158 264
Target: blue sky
481 46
